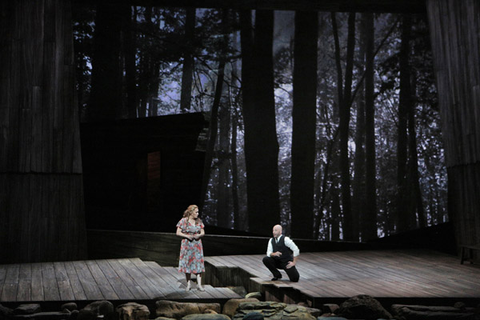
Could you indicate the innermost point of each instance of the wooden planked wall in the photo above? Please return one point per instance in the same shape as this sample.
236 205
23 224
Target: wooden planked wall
455 35
41 193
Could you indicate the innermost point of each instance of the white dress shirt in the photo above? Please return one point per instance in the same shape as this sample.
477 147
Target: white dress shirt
288 242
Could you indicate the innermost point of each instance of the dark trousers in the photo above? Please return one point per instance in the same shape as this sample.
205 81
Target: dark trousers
274 264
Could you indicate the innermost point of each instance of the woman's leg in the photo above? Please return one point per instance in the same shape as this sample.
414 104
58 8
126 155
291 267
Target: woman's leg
199 282
188 276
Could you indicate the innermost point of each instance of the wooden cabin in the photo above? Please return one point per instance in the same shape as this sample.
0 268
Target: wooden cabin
141 174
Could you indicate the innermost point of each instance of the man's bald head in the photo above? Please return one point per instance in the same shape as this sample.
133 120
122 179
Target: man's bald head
277 230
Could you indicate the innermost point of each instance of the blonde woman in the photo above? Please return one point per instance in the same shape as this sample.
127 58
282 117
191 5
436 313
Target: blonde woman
191 260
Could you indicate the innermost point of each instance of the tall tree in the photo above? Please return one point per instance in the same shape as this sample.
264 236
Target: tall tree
237 220
247 75
344 128
358 183
304 123
149 66
261 144
214 113
415 193
402 212
129 22
369 218
335 214
224 216
188 61
106 92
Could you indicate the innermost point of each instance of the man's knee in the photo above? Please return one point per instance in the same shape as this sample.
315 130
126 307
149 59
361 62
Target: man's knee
295 278
267 260
293 274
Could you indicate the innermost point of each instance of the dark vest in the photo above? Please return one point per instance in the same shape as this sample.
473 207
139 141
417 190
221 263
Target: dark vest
287 253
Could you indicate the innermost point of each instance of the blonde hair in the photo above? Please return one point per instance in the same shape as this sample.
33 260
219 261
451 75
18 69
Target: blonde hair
189 210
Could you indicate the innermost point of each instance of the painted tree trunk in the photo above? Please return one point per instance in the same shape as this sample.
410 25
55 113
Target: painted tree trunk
261 144
455 34
304 123
41 192
369 219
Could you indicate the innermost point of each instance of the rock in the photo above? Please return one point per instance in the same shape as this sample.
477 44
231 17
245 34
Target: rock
231 305
133 311
70 306
74 314
253 316
273 311
413 312
264 305
362 307
330 307
86 315
4 311
177 310
257 295
239 290
207 316
210 311
44 316
314 311
101 308
30 308
460 305
293 311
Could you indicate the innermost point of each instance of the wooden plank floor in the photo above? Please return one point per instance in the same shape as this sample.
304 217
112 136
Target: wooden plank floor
324 275
379 273
91 280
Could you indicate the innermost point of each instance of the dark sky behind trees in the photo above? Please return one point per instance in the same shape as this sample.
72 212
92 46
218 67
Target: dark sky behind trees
336 138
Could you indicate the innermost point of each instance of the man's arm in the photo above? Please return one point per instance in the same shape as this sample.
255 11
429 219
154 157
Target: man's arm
296 252
290 244
269 248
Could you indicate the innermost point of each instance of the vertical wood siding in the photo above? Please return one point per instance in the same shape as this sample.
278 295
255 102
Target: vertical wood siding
455 35
41 194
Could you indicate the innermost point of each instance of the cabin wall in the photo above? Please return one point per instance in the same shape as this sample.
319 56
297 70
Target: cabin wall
141 174
455 37
41 193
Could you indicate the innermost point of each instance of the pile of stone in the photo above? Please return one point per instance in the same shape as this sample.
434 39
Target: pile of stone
360 307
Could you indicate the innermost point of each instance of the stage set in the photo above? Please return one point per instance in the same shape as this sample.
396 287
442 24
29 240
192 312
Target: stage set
390 276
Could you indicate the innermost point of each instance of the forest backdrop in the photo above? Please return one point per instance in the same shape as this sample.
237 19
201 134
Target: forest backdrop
325 122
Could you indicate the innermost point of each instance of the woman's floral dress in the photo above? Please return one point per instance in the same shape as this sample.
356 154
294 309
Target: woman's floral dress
191 252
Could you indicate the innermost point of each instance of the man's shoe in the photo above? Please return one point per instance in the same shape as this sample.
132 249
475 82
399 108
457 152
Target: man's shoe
276 278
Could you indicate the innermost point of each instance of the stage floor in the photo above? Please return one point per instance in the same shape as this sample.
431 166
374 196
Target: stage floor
92 280
413 276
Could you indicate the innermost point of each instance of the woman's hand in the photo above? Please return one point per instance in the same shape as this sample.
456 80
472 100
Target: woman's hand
184 235
199 235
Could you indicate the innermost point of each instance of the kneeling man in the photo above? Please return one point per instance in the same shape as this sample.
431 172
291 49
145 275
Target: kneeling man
282 253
